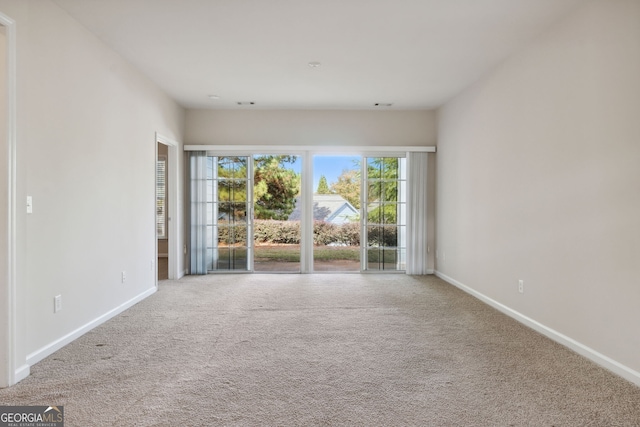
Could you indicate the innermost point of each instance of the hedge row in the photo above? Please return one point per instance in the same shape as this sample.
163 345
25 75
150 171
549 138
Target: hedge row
273 231
324 233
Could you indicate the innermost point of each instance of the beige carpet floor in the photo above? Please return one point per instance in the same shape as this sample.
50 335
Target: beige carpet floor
332 349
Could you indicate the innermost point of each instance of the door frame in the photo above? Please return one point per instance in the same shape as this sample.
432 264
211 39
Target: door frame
10 373
172 206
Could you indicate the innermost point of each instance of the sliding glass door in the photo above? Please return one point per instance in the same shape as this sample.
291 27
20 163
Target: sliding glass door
250 219
251 213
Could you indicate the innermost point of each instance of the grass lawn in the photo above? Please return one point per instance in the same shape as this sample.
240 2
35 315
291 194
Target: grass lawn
291 253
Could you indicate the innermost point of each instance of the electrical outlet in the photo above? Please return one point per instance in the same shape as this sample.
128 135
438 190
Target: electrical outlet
521 286
57 303
152 264
124 276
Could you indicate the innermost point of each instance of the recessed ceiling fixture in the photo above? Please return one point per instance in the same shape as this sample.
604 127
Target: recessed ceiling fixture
314 64
246 103
214 96
383 104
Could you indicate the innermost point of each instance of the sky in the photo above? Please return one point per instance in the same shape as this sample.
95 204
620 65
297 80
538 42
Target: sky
329 166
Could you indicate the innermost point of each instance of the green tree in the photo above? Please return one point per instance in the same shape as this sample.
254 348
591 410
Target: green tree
348 186
275 187
323 187
232 187
382 182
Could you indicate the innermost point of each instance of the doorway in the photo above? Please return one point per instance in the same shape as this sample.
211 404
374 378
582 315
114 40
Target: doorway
162 218
166 262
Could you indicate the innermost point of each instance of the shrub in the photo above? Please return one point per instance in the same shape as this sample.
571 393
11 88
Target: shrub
382 236
231 235
288 232
323 233
281 232
350 233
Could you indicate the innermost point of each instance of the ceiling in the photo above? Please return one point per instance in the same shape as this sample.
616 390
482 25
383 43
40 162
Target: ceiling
415 54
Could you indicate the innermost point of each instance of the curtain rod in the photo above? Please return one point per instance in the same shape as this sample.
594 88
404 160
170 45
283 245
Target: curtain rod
312 148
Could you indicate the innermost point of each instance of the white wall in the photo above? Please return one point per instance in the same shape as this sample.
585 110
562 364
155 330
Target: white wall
86 153
538 178
310 127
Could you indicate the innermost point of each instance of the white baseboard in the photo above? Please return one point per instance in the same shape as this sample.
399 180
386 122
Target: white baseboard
21 373
591 354
49 349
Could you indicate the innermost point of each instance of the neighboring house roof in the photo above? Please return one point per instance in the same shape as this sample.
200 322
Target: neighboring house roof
331 208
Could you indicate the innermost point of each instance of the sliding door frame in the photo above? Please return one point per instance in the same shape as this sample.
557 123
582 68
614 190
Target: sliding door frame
307 153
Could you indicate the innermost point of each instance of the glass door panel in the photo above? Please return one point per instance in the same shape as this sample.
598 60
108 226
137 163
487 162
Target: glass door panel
228 219
385 221
277 213
336 213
